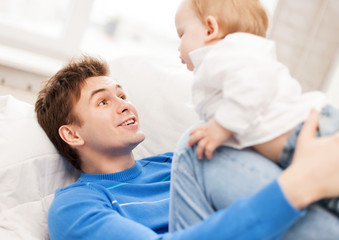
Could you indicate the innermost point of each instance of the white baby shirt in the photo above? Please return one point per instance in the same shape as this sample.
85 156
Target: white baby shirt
240 83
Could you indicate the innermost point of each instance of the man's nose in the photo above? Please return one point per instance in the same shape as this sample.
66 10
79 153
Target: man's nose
122 105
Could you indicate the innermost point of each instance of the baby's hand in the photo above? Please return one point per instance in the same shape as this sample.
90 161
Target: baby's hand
209 137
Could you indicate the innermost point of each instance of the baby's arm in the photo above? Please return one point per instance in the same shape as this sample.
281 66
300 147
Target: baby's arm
208 136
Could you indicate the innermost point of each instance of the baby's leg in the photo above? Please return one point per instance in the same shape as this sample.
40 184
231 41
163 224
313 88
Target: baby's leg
199 188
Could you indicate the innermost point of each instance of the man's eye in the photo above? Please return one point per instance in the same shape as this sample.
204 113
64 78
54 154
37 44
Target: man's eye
123 97
102 103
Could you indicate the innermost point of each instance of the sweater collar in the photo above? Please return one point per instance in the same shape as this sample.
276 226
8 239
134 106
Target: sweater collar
125 175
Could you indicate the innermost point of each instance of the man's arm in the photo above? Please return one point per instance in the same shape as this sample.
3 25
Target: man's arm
86 215
236 174
313 174
265 215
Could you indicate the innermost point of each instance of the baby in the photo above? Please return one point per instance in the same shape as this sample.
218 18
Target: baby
245 95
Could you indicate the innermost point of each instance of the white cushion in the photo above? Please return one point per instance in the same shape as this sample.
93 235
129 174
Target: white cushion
30 167
30 171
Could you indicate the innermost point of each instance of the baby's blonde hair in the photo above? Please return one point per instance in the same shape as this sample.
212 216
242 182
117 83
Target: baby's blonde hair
234 15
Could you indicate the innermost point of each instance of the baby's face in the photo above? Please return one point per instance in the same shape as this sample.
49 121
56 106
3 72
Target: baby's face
191 32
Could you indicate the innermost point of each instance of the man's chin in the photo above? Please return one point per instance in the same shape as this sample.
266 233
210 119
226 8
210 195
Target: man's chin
142 138
139 138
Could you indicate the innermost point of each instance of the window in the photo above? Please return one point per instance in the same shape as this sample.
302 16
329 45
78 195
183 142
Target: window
135 27
110 28
131 27
52 28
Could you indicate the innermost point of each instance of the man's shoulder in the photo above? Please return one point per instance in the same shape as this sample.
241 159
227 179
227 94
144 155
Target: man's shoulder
77 193
77 188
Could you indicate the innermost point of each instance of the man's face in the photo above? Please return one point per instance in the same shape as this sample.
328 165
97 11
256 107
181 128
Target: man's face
110 121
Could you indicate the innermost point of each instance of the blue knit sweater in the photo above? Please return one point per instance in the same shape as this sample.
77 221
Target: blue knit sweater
134 204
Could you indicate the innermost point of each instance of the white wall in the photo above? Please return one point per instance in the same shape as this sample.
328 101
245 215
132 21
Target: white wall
332 87
23 95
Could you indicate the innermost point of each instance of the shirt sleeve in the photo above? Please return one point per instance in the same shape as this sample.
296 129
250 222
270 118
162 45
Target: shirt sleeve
265 215
86 214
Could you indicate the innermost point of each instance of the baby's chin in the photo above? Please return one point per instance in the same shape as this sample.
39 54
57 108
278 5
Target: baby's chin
189 67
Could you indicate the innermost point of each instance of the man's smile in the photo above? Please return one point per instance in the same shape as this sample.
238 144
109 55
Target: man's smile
129 121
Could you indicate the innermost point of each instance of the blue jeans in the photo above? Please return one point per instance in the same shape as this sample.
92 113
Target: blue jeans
328 124
199 188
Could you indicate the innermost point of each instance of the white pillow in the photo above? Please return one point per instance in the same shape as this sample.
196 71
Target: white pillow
30 167
30 171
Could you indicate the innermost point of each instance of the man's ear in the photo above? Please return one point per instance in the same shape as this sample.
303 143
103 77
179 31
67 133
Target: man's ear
213 31
69 134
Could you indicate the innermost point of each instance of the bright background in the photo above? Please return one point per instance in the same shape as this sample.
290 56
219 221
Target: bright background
107 27
38 36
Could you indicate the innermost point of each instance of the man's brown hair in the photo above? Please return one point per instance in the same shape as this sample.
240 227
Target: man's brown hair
54 105
234 15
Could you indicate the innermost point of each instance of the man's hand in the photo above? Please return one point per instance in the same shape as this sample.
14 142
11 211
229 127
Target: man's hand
314 172
209 137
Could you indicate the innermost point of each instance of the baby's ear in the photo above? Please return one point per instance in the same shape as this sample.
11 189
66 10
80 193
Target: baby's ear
69 134
213 31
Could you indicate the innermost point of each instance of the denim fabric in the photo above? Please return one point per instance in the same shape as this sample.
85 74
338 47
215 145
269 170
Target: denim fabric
199 188
328 124
287 153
